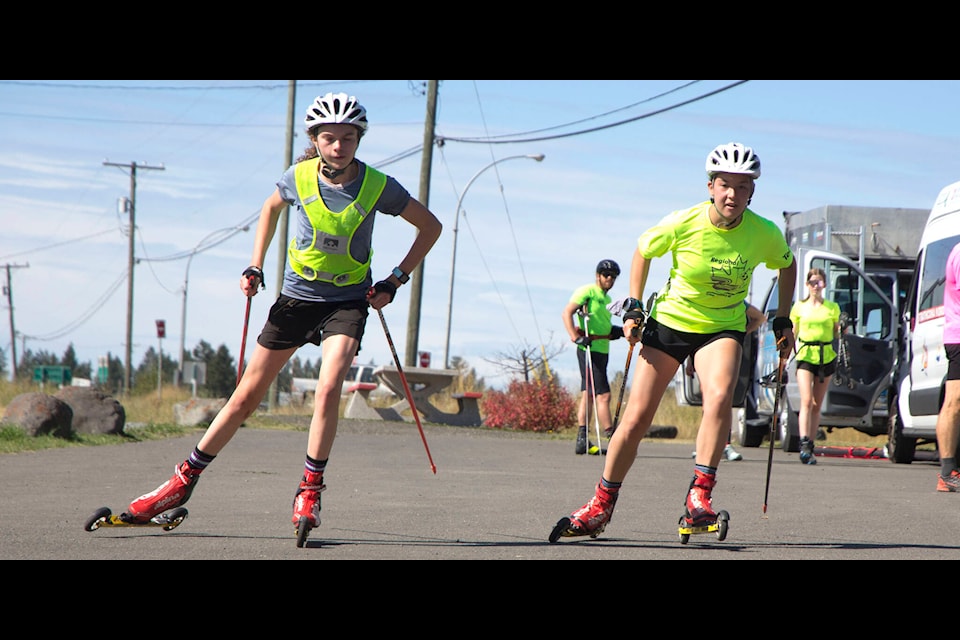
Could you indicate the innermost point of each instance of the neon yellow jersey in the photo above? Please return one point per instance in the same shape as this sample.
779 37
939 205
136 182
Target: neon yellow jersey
712 267
815 323
599 320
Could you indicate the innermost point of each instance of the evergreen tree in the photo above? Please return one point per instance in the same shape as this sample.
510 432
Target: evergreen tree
145 375
221 373
114 384
70 360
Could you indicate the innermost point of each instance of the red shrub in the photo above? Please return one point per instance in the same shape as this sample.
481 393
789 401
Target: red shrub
541 405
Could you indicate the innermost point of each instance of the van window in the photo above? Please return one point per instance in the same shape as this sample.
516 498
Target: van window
934 273
847 289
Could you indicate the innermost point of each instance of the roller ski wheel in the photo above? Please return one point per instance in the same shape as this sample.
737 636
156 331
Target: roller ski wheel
303 530
566 529
719 527
103 517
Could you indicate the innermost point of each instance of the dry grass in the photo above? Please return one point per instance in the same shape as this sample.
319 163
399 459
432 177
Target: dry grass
154 409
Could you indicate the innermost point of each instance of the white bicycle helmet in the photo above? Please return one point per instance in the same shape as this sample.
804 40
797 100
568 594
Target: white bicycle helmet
336 108
733 157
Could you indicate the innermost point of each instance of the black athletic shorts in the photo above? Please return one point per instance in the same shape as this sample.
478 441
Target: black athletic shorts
822 371
680 345
294 323
953 361
599 371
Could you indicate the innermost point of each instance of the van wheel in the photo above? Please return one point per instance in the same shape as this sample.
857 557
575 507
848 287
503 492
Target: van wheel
750 432
900 448
789 428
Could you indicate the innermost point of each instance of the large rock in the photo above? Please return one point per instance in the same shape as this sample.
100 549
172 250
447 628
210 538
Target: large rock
197 411
39 414
93 411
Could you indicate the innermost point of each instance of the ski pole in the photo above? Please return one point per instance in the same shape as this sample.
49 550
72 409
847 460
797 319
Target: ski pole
626 367
626 372
406 389
773 427
243 342
588 369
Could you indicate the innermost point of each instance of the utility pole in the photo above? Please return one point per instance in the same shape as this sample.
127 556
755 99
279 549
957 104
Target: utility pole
8 291
273 394
416 278
132 166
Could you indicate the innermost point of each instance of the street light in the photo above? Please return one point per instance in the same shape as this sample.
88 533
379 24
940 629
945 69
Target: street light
453 263
230 231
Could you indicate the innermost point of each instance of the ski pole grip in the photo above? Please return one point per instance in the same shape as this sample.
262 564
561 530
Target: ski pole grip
779 326
256 272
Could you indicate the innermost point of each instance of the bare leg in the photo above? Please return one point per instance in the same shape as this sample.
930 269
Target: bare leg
261 371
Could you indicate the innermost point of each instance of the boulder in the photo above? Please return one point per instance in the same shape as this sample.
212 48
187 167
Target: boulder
93 411
39 414
197 411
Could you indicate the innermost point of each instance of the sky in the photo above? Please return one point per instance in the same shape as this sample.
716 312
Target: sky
619 155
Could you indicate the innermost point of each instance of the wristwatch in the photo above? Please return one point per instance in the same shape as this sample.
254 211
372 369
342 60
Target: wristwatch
400 275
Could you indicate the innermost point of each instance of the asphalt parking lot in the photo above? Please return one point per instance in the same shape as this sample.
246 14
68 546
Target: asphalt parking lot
495 496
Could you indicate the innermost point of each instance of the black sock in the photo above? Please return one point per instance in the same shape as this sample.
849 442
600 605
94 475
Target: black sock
315 466
199 460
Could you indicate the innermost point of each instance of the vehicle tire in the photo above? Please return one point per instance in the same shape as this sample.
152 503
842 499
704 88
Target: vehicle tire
900 448
789 428
747 432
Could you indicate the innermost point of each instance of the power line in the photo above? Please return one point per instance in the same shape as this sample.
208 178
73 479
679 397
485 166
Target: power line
488 140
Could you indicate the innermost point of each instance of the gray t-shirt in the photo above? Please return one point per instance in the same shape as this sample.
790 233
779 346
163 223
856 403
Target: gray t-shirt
392 201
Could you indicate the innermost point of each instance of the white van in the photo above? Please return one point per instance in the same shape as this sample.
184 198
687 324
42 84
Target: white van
923 362
357 373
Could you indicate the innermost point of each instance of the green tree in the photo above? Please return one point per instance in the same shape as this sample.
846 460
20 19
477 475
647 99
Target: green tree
221 373
3 362
76 369
145 375
114 384
30 360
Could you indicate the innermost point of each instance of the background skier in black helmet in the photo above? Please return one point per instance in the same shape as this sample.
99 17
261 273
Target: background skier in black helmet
593 299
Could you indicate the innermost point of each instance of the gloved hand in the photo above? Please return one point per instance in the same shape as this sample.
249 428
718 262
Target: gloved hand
384 286
257 273
584 341
616 332
780 325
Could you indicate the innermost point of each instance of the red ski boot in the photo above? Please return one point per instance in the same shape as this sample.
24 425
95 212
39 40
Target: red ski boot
173 493
590 519
306 502
699 505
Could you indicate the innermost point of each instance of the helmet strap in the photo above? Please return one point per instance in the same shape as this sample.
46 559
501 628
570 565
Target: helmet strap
723 224
328 172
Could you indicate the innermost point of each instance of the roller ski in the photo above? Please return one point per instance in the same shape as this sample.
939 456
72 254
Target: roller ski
590 519
162 507
103 517
699 516
306 505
